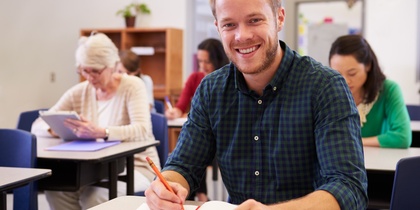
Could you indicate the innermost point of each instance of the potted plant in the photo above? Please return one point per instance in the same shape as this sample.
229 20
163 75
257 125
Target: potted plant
131 11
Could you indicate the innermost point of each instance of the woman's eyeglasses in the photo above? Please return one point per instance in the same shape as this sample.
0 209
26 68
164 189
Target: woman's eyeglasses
92 72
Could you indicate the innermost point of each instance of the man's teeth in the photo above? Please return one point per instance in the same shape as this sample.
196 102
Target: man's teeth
249 50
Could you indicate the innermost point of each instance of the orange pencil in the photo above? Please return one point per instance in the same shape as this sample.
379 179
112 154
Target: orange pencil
163 180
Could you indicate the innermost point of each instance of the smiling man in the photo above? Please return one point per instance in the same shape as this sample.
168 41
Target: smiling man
284 128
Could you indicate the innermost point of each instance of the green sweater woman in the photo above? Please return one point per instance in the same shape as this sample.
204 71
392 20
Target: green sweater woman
383 114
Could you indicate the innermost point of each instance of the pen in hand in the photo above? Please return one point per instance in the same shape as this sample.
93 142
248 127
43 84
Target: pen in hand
163 180
168 103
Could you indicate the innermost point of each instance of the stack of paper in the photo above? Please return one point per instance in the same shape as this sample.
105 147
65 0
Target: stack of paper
143 50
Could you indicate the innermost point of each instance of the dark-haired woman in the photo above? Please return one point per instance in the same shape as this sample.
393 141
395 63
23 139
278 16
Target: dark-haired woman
383 113
210 56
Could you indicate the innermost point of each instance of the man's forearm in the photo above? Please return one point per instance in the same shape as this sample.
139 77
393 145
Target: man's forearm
174 176
320 199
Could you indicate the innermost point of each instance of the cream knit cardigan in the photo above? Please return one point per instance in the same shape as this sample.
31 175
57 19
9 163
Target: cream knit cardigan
130 118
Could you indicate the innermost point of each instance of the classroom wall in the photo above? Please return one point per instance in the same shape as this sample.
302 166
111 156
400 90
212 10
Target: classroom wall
38 40
392 31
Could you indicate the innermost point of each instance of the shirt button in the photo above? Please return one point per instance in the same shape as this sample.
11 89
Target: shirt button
256 138
274 88
257 173
259 101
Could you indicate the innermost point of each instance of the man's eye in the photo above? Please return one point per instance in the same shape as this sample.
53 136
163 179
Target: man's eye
228 25
255 20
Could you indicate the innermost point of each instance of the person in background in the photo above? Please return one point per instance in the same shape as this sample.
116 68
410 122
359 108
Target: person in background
210 56
383 114
130 64
283 127
111 107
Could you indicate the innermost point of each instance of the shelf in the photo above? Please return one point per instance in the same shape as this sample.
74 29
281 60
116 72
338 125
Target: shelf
164 66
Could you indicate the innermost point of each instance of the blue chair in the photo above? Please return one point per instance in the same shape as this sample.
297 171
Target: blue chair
414 112
406 189
160 131
160 107
18 149
27 118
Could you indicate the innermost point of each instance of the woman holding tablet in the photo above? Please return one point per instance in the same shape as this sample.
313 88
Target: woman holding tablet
112 107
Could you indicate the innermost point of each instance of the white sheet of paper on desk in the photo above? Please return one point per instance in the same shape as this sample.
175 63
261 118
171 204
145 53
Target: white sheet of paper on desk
210 205
143 50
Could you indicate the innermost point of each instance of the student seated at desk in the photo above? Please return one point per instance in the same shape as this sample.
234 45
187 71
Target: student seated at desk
383 114
210 56
283 127
130 64
113 107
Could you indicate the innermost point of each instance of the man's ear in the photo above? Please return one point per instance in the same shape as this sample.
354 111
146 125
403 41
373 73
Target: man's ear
281 15
217 26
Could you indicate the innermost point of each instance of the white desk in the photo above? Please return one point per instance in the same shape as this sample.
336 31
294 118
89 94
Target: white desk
12 178
178 123
128 203
72 169
384 159
415 125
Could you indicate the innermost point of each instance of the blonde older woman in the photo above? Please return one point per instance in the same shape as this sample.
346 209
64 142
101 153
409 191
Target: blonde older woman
113 107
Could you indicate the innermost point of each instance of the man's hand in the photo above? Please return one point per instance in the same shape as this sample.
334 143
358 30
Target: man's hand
252 204
158 197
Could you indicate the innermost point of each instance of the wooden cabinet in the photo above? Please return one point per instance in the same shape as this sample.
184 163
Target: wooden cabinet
165 65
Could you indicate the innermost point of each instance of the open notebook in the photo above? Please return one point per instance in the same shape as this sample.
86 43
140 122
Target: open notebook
210 205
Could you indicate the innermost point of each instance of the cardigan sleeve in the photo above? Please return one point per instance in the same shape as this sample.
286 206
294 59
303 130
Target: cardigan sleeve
65 103
397 123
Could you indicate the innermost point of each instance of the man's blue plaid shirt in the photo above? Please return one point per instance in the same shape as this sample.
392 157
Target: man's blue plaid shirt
301 135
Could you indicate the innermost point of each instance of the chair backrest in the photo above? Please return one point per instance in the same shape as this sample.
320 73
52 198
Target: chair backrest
160 131
27 118
414 112
406 189
18 149
160 107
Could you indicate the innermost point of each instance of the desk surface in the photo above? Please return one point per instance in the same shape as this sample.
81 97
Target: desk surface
100 155
385 159
128 203
177 123
12 177
415 125
73 169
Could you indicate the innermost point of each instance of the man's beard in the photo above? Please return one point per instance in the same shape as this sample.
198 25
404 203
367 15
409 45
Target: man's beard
270 55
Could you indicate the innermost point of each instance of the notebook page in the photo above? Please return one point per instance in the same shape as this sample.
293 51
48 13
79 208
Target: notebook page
217 205
210 205
186 207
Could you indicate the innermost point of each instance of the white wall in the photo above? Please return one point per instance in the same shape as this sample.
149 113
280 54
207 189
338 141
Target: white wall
38 38
391 29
